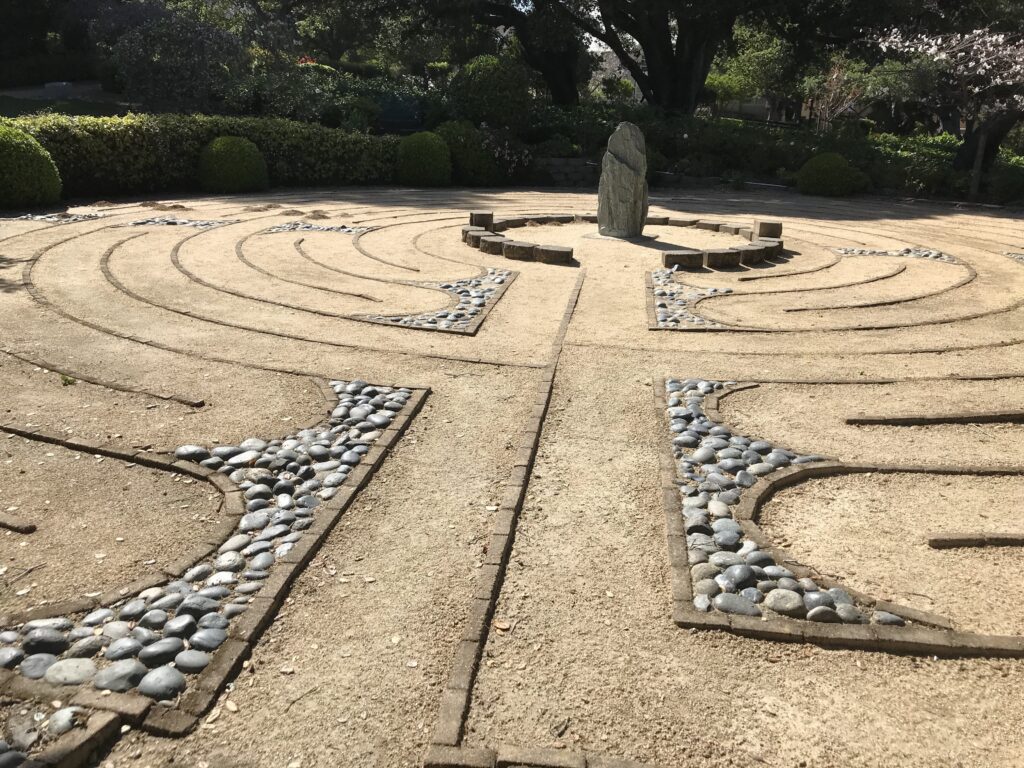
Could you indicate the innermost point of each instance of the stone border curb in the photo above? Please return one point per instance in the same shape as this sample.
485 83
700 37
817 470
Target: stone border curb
246 629
934 636
79 746
956 541
455 699
980 417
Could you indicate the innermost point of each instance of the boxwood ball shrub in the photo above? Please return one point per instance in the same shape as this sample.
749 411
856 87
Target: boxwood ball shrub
28 175
424 160
232 164
830 174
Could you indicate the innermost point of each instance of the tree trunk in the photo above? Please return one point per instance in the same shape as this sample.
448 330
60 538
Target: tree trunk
557 68
993 130
979 162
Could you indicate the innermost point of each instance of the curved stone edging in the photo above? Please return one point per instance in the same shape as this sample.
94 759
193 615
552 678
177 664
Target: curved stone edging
240 255
112 385
934 636
122 288
262 594
971 275
164 462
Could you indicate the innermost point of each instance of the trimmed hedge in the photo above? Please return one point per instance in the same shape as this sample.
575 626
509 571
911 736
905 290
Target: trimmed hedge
28 176
159 153
232 164
424 160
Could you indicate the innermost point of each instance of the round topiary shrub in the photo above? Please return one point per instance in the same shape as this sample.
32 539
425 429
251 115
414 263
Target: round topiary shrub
830 174
424 160
232 164
28 175
472 163
492 91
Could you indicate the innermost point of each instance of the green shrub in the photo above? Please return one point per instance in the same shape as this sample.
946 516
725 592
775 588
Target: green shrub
28 176
557 145
424 160
830 174
472 163
232 164
1006 180
160 153
492 91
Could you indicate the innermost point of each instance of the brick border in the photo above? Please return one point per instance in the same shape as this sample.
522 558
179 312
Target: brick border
245 629
934 636
509 756
455 699
80 746
980 417
956 541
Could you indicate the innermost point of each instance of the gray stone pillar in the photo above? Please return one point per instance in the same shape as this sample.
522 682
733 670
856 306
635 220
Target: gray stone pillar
622 194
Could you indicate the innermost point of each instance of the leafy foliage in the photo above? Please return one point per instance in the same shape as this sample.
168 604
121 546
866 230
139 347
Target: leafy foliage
472 162
29 175
491 91
830 174
232 164
424 160
173 62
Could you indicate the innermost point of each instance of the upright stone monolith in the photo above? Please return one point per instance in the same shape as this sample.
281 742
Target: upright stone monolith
622 194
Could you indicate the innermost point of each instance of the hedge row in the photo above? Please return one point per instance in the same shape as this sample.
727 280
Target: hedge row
160 153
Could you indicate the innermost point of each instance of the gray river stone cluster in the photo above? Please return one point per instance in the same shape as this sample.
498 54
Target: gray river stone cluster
472 296
305 226
729 572
152 641
673 301
59 218
913 253
173 221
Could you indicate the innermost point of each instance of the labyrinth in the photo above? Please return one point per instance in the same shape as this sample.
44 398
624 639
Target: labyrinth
383 477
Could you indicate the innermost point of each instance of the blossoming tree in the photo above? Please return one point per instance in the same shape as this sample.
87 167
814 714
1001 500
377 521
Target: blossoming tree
981 75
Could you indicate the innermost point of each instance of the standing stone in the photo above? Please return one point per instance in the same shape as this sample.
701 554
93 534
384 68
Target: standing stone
622 193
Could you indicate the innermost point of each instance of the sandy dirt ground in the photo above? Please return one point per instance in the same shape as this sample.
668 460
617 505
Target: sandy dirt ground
350 672
101 523
872 532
